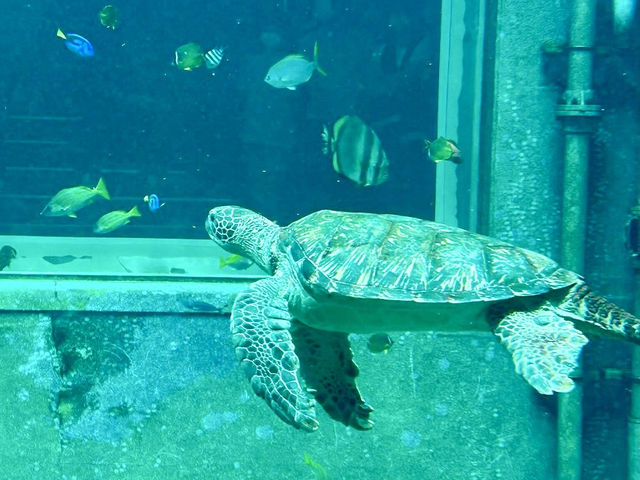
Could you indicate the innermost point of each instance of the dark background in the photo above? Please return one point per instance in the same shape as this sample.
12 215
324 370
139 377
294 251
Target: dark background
196 139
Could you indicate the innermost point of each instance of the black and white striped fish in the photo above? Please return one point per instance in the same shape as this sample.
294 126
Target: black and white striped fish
213 57
356 151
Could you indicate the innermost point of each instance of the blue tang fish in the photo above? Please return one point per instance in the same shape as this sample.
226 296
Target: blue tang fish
77 44
153 201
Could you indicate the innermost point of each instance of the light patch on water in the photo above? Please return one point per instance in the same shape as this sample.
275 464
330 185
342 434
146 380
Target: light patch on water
264 432
442 410
490 353
444 364
215 420
411 439
23 394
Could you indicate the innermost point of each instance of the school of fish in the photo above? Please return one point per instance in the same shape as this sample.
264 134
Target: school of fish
355 149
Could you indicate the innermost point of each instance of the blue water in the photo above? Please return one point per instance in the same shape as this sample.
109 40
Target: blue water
114 394
197 139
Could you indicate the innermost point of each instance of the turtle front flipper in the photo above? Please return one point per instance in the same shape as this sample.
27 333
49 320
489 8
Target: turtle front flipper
260 322
326 364
544 346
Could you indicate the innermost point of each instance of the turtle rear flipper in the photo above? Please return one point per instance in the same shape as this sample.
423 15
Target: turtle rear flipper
328 369
260 323
544 346
609 319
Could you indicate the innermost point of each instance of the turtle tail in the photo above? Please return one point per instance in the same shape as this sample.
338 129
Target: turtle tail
597 311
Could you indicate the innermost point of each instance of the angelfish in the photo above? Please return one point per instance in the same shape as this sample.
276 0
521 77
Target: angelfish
356 151
293 70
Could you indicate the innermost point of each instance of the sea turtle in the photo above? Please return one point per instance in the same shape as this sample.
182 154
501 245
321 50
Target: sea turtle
332 273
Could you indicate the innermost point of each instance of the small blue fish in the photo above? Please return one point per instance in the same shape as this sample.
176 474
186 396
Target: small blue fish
153 201
77 44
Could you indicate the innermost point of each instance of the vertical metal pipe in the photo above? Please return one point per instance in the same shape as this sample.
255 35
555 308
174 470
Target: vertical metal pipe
634 414
633 446
578 118
574 208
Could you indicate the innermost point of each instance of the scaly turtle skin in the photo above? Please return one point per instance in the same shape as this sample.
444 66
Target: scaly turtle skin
336 272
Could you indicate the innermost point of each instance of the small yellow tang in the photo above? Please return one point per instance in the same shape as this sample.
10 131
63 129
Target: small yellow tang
442 149
114 220
109 17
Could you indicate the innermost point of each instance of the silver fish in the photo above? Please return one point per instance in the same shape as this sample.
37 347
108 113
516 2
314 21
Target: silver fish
293 70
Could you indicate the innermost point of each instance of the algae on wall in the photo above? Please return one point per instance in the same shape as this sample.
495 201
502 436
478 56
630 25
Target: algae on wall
158 396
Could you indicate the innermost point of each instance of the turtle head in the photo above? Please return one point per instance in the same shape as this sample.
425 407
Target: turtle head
242 231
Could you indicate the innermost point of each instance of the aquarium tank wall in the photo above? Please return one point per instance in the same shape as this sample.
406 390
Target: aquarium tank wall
134 346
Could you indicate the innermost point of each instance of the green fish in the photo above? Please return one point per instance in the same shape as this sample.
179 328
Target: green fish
189 56
109 17
442 149
7 253
293 70
379 343
69 200
114 220
235 261
318 470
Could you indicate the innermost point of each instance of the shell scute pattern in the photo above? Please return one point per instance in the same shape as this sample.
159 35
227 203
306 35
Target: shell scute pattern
400 258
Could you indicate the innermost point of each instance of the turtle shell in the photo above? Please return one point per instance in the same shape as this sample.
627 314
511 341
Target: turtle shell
393 257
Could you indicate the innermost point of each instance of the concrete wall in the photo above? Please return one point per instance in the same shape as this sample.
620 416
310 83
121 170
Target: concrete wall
522 180
131 376
160 396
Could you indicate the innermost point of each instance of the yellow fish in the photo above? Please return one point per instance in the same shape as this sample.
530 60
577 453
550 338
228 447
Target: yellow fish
109 17
113 220
442 149
69 200
189 56
318 470
235 261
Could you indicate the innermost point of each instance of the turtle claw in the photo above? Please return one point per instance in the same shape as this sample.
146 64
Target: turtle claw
306 422
360 417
